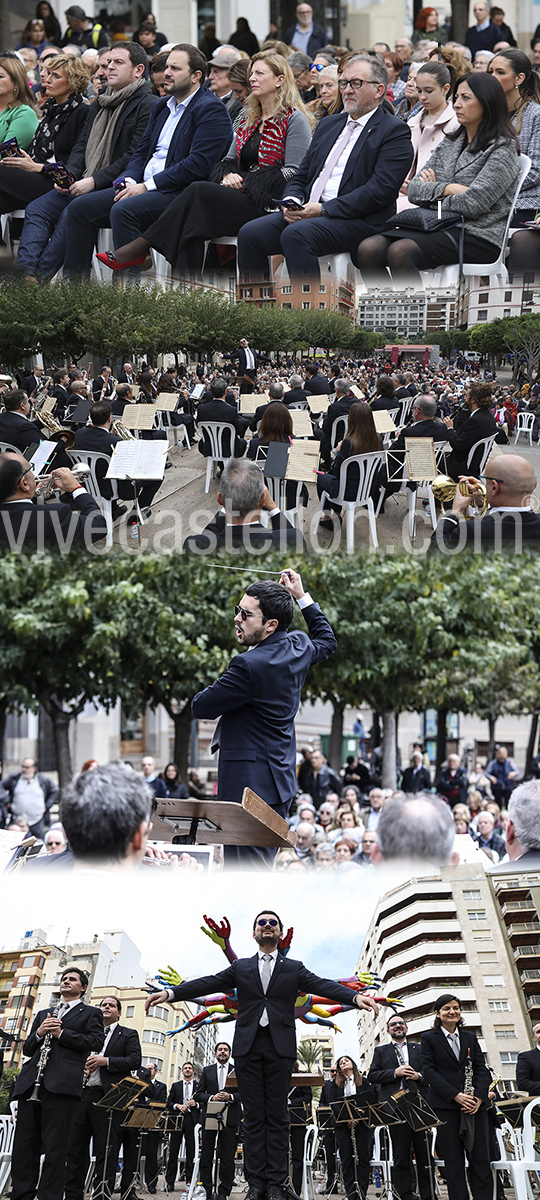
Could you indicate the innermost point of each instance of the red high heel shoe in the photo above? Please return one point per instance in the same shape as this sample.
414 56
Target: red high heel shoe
108 259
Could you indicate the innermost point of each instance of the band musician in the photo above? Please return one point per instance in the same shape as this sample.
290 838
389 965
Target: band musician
213 1086
62 1040
180 1101
395 1067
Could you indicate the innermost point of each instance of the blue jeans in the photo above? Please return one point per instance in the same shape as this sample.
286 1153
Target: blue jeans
43 237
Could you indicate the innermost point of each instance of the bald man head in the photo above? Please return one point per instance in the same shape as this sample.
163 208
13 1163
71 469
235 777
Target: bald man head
510 481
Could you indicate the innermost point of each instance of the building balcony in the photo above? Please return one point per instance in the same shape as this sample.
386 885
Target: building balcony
533 1001
424 1001
400 960
529 976
517 906
522 928
526 952
422 931
408 980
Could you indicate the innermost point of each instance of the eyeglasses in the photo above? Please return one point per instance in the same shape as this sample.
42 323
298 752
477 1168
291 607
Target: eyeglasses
490 478
243 613
356 84
21 477
271 922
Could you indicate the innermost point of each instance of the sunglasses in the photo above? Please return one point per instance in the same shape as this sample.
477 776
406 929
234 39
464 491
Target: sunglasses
243 613
316 66
271 922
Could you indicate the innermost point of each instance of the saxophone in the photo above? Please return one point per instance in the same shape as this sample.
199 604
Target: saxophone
44 1058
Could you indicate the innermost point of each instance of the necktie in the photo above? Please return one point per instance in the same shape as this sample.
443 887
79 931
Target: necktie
322 180
454 1039
266 976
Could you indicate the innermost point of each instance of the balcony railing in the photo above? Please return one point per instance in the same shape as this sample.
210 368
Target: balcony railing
518 905
526 951
526 975
533 1001
524 927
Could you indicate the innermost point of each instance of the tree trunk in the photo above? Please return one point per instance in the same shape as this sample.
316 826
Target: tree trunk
6 40
531 747
389 773
182 730
491 738
336 735
61 722
442 714
3 716
460 19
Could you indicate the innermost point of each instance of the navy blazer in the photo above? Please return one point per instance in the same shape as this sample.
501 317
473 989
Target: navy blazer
383 1067
82 1034
444 1074
201 138
508 530
25 526
289 979
374 172
20 432
257 699
124 1055
528 1072
208 1086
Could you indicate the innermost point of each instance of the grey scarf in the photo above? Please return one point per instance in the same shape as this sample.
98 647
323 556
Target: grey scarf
99 144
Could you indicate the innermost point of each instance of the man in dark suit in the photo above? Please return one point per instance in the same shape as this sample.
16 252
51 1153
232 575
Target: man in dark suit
264 1044
75 1031
528 1067
316 384
346 184
118 1057
424 426
54 231
258 697
213 1086
98 438
102 388
188 132
394 1067
416 778
296 394
339 408
523 828
219 409
127 375
16 427
243 495
248 362
509 524
33 382
27 526
61 393
181 1101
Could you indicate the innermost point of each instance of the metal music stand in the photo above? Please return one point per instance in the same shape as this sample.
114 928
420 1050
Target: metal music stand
144 1117
216 1120
170 1122
118 1099
421 1118
300 1114
352 1108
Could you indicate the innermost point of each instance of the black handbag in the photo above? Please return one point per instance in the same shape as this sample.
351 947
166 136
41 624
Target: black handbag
429 220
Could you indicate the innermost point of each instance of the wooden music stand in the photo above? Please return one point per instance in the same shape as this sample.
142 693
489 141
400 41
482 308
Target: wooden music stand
144 1116
298 1079
219 822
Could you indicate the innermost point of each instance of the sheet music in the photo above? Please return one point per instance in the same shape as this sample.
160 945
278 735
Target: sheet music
317 404
383 421
252 401
303 461
141 416
420 459
356 391
42 455
167 401
197 391
48 404
138 460
302 426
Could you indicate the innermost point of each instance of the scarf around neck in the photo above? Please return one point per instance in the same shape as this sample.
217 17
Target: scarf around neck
54 116
98 152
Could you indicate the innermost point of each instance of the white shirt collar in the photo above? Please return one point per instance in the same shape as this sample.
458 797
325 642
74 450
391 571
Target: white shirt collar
175 106
508 508
273 954
485 25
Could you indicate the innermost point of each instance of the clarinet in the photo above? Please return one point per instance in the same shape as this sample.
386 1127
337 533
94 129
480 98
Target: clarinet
44 1058
468 1087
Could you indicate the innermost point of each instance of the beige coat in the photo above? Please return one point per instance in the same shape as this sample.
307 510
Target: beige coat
424 143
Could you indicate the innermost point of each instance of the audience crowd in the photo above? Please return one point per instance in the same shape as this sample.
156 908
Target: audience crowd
138 135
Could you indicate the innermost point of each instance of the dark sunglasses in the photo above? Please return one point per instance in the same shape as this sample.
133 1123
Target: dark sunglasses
263 924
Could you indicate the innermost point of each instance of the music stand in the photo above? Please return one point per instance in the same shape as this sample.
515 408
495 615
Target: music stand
170 1122
216 1120
300 1114
118 1099
144 1118
347 1110
421 1118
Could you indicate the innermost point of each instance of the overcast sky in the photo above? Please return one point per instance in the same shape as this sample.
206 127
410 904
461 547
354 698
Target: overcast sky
163 918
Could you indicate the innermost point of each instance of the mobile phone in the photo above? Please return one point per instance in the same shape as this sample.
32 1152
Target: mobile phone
119 185
290 202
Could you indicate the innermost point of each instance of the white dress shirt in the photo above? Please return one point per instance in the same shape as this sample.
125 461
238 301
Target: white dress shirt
273 955
94 1080
159 157
333 184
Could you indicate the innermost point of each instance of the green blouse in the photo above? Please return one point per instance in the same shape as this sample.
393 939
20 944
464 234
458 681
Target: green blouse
20 122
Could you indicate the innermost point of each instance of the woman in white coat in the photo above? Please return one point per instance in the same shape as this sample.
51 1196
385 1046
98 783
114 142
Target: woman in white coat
429 126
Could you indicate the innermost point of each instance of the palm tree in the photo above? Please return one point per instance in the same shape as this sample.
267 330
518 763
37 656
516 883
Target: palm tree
309 1053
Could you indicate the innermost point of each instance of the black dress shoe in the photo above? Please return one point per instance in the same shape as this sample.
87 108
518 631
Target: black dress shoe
118 510
254 1194
275 1192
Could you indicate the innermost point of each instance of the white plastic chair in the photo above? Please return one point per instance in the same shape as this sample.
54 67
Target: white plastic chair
368 465
338 431
486 444
91 459
405 407
7 1132
524 1161
196 1162
383 1162
412 494
278 491
388 437
164 421
6 447
214 431
525 424
5 225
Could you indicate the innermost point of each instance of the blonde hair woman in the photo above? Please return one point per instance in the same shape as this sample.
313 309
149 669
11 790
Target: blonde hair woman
266 151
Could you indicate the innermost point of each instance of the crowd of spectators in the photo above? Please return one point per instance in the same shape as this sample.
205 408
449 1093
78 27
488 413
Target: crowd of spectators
279 126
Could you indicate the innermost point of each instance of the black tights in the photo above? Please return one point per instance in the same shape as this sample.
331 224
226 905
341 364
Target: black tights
524 251
401 256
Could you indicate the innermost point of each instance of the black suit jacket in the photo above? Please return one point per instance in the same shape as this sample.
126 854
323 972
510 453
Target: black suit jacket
422 429
31 383
444 1074
124 1055
208 1087
28 526
20 432
82 1033
418 782
64 399
317 385
479 424
218 535
295 396
176 1096
200 139
289 977
384 402
528 1072
384 1063
128 131
496 530
339 408
240 354
381 156
220 410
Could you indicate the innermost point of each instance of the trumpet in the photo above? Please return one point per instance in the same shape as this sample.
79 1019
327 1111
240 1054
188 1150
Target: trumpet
444 489
46 486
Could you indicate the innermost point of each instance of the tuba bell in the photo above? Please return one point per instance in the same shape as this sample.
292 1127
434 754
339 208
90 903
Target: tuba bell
122 431
444 489
54 429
